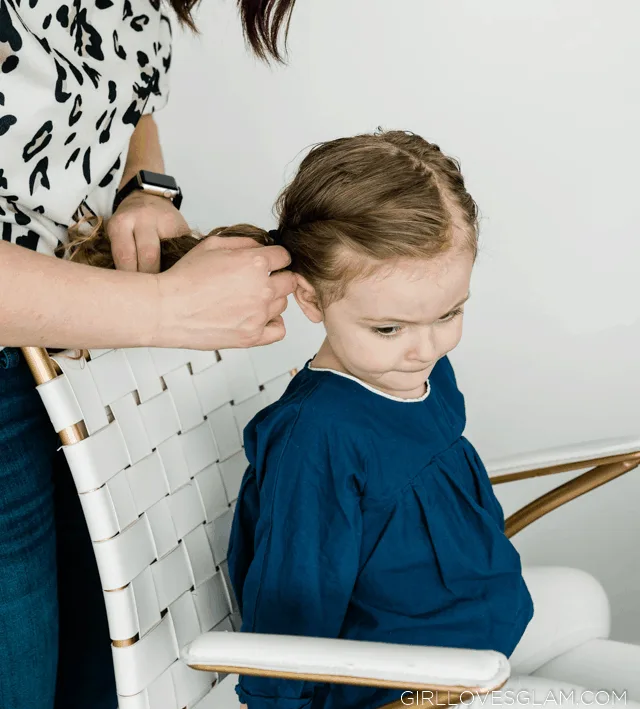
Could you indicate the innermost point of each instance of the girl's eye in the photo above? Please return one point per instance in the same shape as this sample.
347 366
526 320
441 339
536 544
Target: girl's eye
453 314
392 330
389 331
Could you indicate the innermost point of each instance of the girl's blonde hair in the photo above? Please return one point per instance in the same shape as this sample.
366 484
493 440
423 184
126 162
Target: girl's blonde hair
378 196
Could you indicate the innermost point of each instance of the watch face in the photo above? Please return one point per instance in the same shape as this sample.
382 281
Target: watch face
155 178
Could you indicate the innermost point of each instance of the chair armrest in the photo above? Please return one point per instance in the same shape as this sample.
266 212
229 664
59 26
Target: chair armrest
605 460
349 662
571 457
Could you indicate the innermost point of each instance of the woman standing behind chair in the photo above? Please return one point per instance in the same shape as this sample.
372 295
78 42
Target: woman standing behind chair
80 83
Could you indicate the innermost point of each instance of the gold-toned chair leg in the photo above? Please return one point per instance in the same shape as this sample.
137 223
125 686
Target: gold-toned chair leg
41 365
569 491
44 369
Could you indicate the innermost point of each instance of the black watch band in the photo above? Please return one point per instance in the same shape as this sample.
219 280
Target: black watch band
151 183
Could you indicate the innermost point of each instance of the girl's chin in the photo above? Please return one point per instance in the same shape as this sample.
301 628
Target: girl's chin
402 385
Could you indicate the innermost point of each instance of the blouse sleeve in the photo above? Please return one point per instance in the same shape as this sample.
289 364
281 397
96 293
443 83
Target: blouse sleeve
307 552
159 82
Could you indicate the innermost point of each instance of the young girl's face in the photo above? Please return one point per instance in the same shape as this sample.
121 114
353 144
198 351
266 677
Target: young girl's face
391 328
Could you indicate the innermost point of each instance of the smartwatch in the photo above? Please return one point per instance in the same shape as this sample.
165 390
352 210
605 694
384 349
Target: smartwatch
152 183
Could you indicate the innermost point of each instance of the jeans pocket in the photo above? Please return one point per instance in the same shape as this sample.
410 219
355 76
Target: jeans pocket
9 357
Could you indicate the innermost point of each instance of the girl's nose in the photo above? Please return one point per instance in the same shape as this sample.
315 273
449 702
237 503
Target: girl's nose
424 349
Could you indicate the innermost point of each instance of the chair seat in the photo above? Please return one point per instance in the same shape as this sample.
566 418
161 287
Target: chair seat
570 608
598 664
531 691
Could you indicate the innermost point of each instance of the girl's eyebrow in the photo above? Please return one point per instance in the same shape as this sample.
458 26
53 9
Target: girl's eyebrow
412 322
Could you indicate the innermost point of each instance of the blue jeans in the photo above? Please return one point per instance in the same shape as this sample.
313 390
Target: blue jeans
54 640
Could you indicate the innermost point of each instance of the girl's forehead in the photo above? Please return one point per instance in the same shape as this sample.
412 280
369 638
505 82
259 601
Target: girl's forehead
412 289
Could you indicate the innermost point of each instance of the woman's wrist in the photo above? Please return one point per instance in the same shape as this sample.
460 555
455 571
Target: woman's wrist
146 314
133 318
119 309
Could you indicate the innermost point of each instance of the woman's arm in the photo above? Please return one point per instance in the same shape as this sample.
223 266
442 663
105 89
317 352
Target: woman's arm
219 295
145 152
50 302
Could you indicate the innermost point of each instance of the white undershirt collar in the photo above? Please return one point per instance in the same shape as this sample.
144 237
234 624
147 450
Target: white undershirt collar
370 388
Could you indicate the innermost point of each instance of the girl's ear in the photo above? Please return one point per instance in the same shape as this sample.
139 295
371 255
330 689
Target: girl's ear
306 296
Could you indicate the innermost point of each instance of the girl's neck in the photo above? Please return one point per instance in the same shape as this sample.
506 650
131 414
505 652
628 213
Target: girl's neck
326 359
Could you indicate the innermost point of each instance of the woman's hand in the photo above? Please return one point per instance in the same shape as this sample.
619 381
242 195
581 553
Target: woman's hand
221 295
136 228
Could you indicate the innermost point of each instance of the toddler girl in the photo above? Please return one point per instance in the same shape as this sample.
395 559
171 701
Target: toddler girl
364 513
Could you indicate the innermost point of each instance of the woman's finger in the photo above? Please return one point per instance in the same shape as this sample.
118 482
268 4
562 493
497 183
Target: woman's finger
277 257
231 242
283 283
123 247
277 307
274 331
147 248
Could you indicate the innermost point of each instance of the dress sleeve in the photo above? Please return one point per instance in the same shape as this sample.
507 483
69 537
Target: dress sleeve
307 552
159 82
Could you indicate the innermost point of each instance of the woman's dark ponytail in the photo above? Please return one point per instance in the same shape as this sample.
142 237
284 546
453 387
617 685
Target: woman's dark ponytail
263 21
184 12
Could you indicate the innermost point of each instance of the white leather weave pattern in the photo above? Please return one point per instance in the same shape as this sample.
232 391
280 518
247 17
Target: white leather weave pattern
158 477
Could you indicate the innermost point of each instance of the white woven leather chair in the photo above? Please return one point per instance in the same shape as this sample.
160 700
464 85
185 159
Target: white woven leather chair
153 440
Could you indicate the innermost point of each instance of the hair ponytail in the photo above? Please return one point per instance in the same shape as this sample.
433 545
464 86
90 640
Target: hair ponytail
263 22
184 12
88 243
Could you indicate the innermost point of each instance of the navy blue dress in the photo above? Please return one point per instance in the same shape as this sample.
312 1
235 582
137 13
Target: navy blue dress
366 517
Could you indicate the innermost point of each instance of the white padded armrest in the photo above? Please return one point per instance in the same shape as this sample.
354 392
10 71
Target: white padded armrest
386 664
562 456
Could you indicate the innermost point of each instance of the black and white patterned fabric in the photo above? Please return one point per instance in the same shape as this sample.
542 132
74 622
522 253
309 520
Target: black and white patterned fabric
75 78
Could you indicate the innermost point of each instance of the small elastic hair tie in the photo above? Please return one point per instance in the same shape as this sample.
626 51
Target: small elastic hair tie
276 237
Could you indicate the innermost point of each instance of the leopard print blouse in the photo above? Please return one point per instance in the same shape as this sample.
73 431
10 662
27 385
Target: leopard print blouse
75 78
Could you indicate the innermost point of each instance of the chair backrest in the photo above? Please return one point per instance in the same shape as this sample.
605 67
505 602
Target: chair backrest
158 475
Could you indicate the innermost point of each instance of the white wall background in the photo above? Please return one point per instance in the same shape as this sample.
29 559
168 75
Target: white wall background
541 102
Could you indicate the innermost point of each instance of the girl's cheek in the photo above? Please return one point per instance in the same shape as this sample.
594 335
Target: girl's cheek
455 338
367 349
